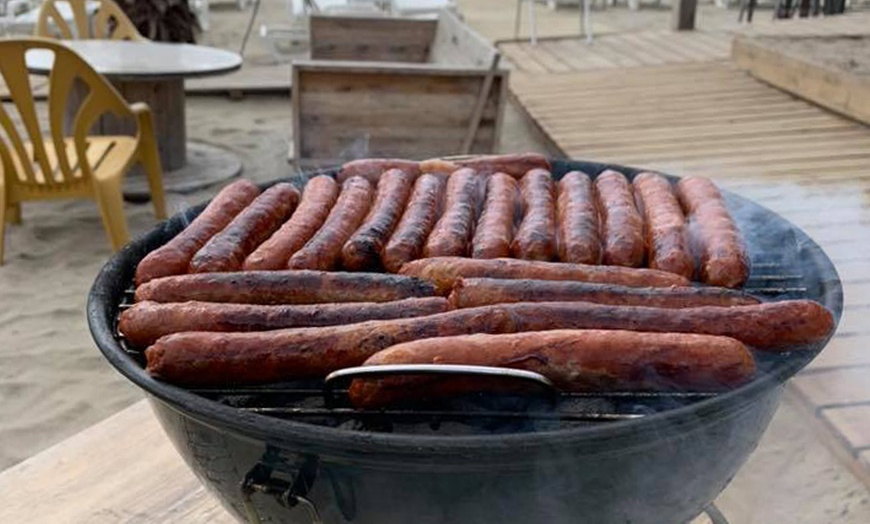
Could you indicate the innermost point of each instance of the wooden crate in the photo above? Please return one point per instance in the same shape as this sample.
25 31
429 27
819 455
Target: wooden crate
395 87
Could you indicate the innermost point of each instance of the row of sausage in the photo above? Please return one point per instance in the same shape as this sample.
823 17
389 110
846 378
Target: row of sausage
371 219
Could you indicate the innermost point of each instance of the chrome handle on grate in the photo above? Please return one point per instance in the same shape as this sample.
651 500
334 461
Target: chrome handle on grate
347 374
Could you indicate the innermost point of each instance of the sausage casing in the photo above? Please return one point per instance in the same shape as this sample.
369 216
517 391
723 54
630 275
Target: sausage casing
444 271
621 224
421 213
536 236
577 237
363 249
723 259
474 292
574 360
174 257
372 168
323 250
284 287
665 232
228 250
317 200
495 228
145 322
453 231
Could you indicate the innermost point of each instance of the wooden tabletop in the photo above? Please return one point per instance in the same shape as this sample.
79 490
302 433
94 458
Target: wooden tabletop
143 60
122 469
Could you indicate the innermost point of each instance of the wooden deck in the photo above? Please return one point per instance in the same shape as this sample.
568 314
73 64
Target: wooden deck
675 103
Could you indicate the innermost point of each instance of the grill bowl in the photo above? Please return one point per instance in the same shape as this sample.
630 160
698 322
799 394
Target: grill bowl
664 467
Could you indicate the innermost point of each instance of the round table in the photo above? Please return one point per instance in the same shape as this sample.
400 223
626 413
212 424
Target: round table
154 73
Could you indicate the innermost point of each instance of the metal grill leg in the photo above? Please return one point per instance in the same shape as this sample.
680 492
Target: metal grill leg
716 516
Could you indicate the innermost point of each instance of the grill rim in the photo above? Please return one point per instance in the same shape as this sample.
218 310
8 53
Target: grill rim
113 278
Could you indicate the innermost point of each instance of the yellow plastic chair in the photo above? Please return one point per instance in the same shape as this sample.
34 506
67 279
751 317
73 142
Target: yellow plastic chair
39 167
110 22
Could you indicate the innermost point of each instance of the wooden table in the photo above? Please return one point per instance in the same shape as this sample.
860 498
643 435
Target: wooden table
154 73
122 469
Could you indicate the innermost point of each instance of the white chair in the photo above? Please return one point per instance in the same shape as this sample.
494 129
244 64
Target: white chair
585 20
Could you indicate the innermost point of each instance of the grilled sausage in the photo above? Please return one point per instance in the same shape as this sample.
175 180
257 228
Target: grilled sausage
516 165
421 213
174 257
323 250
574 360
245 358
444 272
621 224
363 250
474 292
145 322
317 199
453 231
577 236
284 287
495 228
228 250
723 260
372 168
665 234
439 166
536 236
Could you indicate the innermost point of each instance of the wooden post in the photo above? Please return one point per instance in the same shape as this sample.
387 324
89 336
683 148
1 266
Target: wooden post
683 15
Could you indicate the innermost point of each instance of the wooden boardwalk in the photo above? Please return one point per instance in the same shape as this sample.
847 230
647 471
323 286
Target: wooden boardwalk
675 103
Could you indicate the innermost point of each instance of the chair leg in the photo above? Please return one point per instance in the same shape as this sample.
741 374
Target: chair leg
151 164
2 222
14 216
111 201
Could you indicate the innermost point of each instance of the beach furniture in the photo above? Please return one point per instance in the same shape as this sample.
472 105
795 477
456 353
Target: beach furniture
109 21
41 164
403 87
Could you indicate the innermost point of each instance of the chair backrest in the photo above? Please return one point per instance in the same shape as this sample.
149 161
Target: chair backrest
367 39
48 163
109 23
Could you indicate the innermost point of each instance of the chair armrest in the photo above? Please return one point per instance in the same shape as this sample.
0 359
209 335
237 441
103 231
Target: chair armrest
144 119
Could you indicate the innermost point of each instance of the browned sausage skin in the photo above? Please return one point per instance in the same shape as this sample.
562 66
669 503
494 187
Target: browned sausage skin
363 250
323 250
574 360
444 271
621 224
723 259
317 200
577 237
515 165
372 168
665 232
495 228
536 236
453 231
145 322
474 292
418 219
225 358
174 257
284 287
228 250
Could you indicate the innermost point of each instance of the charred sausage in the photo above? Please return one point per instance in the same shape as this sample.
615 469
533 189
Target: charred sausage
536 236
621 224
174 257
145 322
317 199
372 168
577 236
723 260
284 287
363 249
228 250
221 358
444 272
421 213
495 228
574 360
453 231
323 250
474 292
665 234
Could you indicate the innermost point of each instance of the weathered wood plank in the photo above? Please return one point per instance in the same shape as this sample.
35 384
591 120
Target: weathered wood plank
387 39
